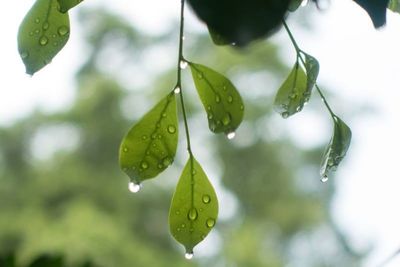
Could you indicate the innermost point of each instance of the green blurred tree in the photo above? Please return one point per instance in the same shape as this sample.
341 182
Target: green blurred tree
62 193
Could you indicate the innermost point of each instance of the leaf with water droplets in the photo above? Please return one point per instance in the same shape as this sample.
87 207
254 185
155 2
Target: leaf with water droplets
312 70
150 145
220 98
194 207
293 93
337 148
42 34
394 5
66 5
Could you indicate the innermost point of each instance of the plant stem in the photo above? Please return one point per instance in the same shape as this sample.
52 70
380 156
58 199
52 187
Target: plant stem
179 78
299 52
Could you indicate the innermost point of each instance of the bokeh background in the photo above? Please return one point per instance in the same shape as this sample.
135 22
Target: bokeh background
63 195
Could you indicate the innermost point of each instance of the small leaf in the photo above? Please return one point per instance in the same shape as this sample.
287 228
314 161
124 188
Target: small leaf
376 9
194 207
42 34
312 70
394 5
150 146
66 5
336 149
293 93
294 5
220 98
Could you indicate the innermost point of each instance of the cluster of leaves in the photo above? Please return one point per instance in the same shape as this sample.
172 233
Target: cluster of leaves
150 145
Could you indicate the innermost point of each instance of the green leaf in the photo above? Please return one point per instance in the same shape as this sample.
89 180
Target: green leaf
293 93
220 98
394 5
42 34
194 207
312 70
150 145
294 5
66 5
217 38
336 149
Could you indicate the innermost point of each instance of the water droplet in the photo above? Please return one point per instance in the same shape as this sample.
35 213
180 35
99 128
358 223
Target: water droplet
178 229
37 20
144 165
183 37
37 31
183 225
299 108
233 43
144 137
292 95
24 55
324 178
209 107
226 119
210 116
55 44
177 212
171 129
188 255
63 30
31 34
126 149
177 90
45 26
183 64
210 223
230 99
192 214
159 136
285 115
200 75
164 115
330 162
217 98
304 3
160 166
134 188
167 161
194 172
231 135
224 87
153 136
206 199
43 40
241 107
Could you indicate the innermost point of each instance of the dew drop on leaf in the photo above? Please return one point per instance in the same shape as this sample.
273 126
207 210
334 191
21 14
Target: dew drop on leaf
210 223
231 135
171 129
45 26
134 188
206 199
230 99
63 30
144 165
324 179
43 40
188 255
192 215
24 55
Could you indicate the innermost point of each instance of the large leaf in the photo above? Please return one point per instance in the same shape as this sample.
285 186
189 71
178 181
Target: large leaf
42 34
336 149
220 98
66 5
150 145
194 207
293 93
239 21
394 5
376 9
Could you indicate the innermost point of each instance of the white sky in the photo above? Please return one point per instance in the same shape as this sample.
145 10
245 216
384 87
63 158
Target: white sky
359 63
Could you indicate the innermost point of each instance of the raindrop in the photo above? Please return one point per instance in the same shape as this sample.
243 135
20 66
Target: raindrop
45 26
144 137
171 129
226 119
63 30
324 178
230 99
217 98
285 115
177 90
210 223
188 255
200 75
224 87
304 3
31 34
55 43
293 95
43 40
167 161
144 165
134 188
126 149
160 166
183 225
37 21
331 162
24 55
183 64
209 107
164 115
241 107
206 199
192 214
299 108
37 31
210 116
231 135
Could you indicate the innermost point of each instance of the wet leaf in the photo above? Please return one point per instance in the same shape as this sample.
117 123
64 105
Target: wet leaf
394 5
293 93
194 207
150 145
66 5
312 71
376 9
336 149
220 98
42 34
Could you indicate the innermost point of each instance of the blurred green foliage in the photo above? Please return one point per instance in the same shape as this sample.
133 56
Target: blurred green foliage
62 193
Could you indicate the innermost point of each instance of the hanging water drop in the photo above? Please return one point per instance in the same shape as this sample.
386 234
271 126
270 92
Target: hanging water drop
188 255
324 178
134 188
206 199
171 129
183 64
210 223
177 90
231 135
285 115
192 214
